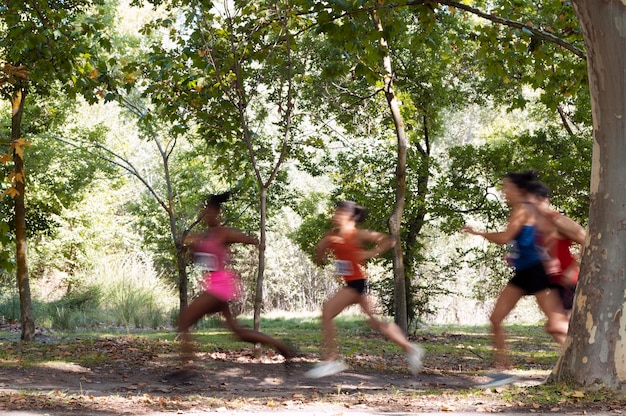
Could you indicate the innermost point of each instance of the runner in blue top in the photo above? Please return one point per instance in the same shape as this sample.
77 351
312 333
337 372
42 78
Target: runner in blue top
530 277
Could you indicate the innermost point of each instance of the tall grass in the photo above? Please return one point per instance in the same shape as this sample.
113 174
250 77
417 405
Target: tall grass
133 295
79 308
120 291
9 303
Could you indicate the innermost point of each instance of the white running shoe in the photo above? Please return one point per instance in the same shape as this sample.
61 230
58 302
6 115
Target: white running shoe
414 356
498 379
326 368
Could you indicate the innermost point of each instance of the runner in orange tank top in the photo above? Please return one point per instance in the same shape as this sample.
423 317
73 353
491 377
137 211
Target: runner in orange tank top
345 242
347 261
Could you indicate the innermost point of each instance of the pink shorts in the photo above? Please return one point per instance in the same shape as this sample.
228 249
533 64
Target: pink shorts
223 284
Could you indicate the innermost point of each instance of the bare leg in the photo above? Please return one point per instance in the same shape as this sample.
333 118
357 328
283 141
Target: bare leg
333 307
203 304
389 329
506 301
252 336
550 303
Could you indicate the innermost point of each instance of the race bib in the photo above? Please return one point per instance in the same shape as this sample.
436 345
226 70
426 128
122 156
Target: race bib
344 268
206 261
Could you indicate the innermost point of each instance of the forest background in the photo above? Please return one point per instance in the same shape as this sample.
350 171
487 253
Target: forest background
161 106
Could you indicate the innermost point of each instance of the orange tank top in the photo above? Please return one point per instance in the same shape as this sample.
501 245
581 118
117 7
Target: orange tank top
346 263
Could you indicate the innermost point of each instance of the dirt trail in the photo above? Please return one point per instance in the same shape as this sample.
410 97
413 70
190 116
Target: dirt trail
227 386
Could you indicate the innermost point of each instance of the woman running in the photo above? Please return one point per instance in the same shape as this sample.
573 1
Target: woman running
559 233
530 277
221 285
345 242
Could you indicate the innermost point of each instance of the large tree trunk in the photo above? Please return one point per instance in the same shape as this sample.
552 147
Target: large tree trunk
595 350
26 308
395 221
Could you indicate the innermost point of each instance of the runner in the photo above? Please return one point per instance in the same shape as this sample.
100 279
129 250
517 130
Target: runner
221 285
345 241
530 277
558 232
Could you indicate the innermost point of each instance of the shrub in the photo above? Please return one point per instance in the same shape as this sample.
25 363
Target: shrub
133 296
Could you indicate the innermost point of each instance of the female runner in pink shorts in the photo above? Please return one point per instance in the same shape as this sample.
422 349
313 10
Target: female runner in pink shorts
221 284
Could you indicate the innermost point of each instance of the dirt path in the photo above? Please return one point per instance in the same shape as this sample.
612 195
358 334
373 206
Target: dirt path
127 378
221 386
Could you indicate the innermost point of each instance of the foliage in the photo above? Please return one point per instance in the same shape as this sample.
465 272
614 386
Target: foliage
467 191
515 58
441 62
117 292
444 59
79 308
59 43
59 178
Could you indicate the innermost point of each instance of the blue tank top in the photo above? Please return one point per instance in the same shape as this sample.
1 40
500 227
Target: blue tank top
524 251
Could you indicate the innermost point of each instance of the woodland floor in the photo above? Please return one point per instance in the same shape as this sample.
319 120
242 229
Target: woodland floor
126 378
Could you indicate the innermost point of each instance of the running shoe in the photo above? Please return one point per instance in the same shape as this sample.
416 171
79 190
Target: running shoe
498 379
414 356
326 368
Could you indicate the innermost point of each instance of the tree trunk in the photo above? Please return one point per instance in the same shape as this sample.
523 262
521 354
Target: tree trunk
595 350
415 219
183 281
177 235
395 221
258 298
26 308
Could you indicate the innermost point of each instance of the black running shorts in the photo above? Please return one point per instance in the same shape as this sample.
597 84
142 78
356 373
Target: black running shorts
532 279
358 285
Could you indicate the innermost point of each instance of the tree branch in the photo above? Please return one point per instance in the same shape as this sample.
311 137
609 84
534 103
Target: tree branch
115 160
538 33
564 120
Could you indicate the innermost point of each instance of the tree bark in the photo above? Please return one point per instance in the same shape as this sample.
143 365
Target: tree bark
177 234
595 350
395 221
183 281
258 297
26 309
415 218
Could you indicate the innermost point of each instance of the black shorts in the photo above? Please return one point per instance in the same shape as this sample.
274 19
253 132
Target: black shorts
532 279
567 296
566 290
358 285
